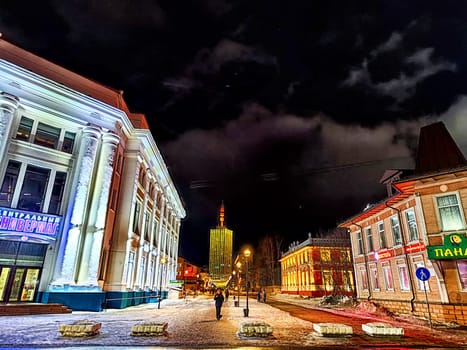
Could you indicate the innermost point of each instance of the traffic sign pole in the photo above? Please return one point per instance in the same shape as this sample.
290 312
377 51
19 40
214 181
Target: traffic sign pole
423 274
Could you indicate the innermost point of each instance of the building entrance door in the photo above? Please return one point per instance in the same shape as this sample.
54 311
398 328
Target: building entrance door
20 270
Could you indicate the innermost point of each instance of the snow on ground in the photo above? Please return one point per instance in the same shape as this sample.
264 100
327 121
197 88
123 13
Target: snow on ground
191 324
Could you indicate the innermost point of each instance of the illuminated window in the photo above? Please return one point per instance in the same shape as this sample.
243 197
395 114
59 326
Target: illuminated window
34 187
325 255
47 135
450 212
382 236
374 278
136 215
396 230
129 270
24 129
403 277
9 183
462 270
364 279
388 278
412 225
146 226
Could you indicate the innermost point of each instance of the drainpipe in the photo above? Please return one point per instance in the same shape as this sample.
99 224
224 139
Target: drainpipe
365 259
405 256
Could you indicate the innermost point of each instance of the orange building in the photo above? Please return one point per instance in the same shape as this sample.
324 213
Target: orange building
419 229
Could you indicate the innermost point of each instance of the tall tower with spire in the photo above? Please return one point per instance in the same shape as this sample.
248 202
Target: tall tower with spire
220 250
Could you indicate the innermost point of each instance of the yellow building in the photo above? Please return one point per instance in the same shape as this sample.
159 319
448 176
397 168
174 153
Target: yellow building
220 251
317 267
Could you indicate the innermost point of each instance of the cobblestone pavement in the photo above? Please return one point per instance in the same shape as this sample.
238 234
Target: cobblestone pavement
191 325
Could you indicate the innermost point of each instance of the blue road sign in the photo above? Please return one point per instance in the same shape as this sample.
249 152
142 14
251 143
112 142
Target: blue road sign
423 274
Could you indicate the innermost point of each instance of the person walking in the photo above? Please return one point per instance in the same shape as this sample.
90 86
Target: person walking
226 294
218 300
264 295
258 296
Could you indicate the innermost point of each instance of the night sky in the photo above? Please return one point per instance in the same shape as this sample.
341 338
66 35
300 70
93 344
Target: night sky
288 111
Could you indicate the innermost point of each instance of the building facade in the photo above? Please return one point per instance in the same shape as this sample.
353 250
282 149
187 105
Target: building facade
420 227
220 251
317 267
88 209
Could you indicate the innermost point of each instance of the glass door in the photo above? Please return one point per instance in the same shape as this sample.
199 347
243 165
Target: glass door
18 283
4 277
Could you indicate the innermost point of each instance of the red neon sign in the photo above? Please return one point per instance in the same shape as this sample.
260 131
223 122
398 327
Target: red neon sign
385 254
415 247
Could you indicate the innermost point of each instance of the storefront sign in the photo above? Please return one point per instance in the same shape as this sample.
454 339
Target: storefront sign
415 247
12 220
384 254
455 247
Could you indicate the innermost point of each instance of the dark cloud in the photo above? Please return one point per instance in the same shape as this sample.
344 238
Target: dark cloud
289 112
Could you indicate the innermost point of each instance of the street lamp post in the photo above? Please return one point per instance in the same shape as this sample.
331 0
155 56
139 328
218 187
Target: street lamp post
246 253
184 284
239 264
161 262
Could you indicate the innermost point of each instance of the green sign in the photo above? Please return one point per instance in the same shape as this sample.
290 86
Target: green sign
455 247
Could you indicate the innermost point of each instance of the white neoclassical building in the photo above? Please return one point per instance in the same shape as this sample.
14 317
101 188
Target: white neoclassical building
88 211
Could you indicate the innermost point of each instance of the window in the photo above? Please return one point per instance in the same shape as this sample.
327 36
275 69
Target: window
57 193
129 270
345 256
34 187
462 270
68 142
369 237
396 230
364 279
154 234
9 183
142 272
374 278
449 213
136 216
47 135
146 226
327 280
359 243
412 225
388 277
24 129
382 236
403 277
325 255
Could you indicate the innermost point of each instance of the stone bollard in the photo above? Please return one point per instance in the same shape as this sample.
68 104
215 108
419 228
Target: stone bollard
149 329
81 328
255 329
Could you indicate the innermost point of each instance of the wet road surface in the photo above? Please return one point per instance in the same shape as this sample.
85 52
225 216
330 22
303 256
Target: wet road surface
414 335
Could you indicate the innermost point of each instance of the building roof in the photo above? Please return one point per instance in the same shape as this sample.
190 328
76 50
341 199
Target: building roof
60 75
437 154
437 150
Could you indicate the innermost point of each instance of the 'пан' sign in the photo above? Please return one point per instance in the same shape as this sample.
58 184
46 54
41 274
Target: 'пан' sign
455 247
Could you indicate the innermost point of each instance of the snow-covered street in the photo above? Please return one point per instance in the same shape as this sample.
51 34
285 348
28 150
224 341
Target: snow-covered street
191 324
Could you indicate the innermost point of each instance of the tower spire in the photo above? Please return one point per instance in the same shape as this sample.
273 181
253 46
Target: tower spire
221 215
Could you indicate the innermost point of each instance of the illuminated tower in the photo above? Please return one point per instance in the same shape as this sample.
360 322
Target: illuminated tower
220 250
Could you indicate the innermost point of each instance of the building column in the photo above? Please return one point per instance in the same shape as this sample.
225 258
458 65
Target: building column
8 106
89 262
71 239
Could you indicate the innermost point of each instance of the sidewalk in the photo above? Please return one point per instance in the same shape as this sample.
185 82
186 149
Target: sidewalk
191 324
